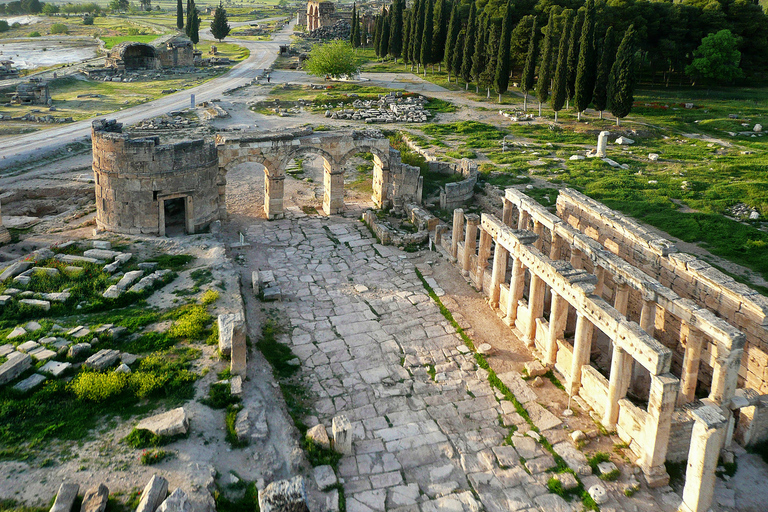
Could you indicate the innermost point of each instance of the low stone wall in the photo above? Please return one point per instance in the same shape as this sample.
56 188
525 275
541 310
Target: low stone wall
454 195
388 236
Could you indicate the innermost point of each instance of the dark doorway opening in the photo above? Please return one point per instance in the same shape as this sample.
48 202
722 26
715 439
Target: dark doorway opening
175 216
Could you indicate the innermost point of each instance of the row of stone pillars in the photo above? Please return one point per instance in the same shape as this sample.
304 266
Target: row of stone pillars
333 195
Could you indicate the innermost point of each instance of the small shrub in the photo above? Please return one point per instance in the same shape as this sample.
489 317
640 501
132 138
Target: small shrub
220 396
319 456
34 34
141 438
209 297
149 342
230 419
150 457
88 20
4 27
98 387
59 28
173 262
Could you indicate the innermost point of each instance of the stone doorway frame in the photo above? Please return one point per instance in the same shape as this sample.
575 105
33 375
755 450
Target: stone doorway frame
189 225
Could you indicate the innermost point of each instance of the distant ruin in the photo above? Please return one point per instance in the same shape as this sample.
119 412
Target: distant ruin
174 51
33 92
320 14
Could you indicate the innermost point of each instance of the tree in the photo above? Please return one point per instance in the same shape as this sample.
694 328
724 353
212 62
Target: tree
335 59
529 70
480 57
426 38
179 15
573 56
354 25
585 74
396 30
146 4
119 5
363 33
406 44
545 66
219 26
600 94
501 80
518 45
50 9
717 58
621 84
491 56
458 54
378 22
558 86
418 32
452 36
469 46
193 22
440 32
384 37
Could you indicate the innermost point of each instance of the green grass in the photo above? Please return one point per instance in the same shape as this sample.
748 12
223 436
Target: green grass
230 420
110 41
248 502
220 396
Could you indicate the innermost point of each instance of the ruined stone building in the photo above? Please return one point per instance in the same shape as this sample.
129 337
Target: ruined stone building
659 345
33 92
320 14
173 51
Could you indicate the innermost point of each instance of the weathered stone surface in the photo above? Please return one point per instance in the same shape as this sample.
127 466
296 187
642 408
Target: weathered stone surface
576 460
15 269
176 502
518 387
30 383
319 435
153 495
325 476
535 368
6 349
16 332
35 303
102 359
541 417
236 385
284 496
598 493
230 327
42 354
95 499
171 423
65 498
16 364
78 350
342 435
100 254
55 368
540 464
28 346
101 244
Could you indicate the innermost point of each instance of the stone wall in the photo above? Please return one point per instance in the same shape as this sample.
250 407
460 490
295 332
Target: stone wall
454 195
135 176
688 276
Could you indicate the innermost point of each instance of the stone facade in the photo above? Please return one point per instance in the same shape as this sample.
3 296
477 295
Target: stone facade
135 177
167 52
320 14
33 92
630 324
454 195
393 182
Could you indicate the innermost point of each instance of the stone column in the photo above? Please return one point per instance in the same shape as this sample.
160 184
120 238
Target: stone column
483 253
500 257
458 229
522 219
538 229
535 307
621 300
558 317
600 286
640 377
648 317
160 217
725 373
621 372
333 199
706 441
439 230
602 141
582 345
470 242
690 374
661 405
554 249
576 258
516 289
189 215
5 236
273 195
506 214
380 184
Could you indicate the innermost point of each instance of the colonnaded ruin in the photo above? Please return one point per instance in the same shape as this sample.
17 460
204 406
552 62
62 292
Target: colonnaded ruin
320 14
661 346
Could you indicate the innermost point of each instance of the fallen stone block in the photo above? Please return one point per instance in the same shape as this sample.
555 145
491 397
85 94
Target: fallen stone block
102 359
153 495
16 332
41 304
236 385
57 296
124 257
72 258
243 426
78 350
28 346
342 435
284 496
22 280
111 268
33 326
535 369
129 278
101 254
273 293
73 271
6 349
55 368
597 492
4 299
319 435
95 499
42 354
112 292
325 476
171 423
101 244
30 383
65 498
15 269
255 283
16 364
230 326
176 502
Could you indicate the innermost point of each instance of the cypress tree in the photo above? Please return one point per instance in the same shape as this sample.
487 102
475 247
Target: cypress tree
479 57
600 95
529 70
545 66
406 35
179 15
396 30
621 84
469 46
414 24
419 33
384 38
501 81
558 86
573 56
585 74
357 41
426 37
457 57
452 36
491 55
441 31
353 24
219 26
363 33
377 21
194 25
189 17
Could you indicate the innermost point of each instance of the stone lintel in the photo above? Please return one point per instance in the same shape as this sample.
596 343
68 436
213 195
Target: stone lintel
709 415
646 350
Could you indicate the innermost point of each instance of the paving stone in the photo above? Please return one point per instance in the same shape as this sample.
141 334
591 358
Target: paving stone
55 368
325 476
16 364
102 359
30 383
171 423
284 496
65 498
16 332
554 503
527 447
540 464
541 417
95 499
42 354
28 346
78 349
6 349
576 460
39 304
506 456
518 387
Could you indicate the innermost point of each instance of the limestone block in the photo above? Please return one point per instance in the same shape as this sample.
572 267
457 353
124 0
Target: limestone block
16 364
102 359
171 423
342 435
55 368
42 354
16 332
30 383
72 258
535 369
41 304
129 278
95 499
100 254
28 346
15 269
319 435
230 326
284 496
112 292
153 494
598 493
255 283
65 498
176 502
325 476
73 271
236 385
79 349
6 349
101 244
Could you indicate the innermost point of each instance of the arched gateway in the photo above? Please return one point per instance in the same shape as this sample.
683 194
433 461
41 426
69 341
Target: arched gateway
393 181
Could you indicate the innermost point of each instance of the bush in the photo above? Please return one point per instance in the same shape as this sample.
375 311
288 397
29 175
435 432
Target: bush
220 396
209 297
4 27
150 457
59 28
190 323
141 438
88 20
35 33
97 387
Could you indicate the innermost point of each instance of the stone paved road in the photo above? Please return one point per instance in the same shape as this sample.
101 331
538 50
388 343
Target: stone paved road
374 347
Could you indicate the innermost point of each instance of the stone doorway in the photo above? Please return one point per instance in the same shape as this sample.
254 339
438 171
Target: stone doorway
175 215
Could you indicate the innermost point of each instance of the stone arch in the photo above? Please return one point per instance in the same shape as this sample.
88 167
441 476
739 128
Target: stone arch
139 56
381 160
